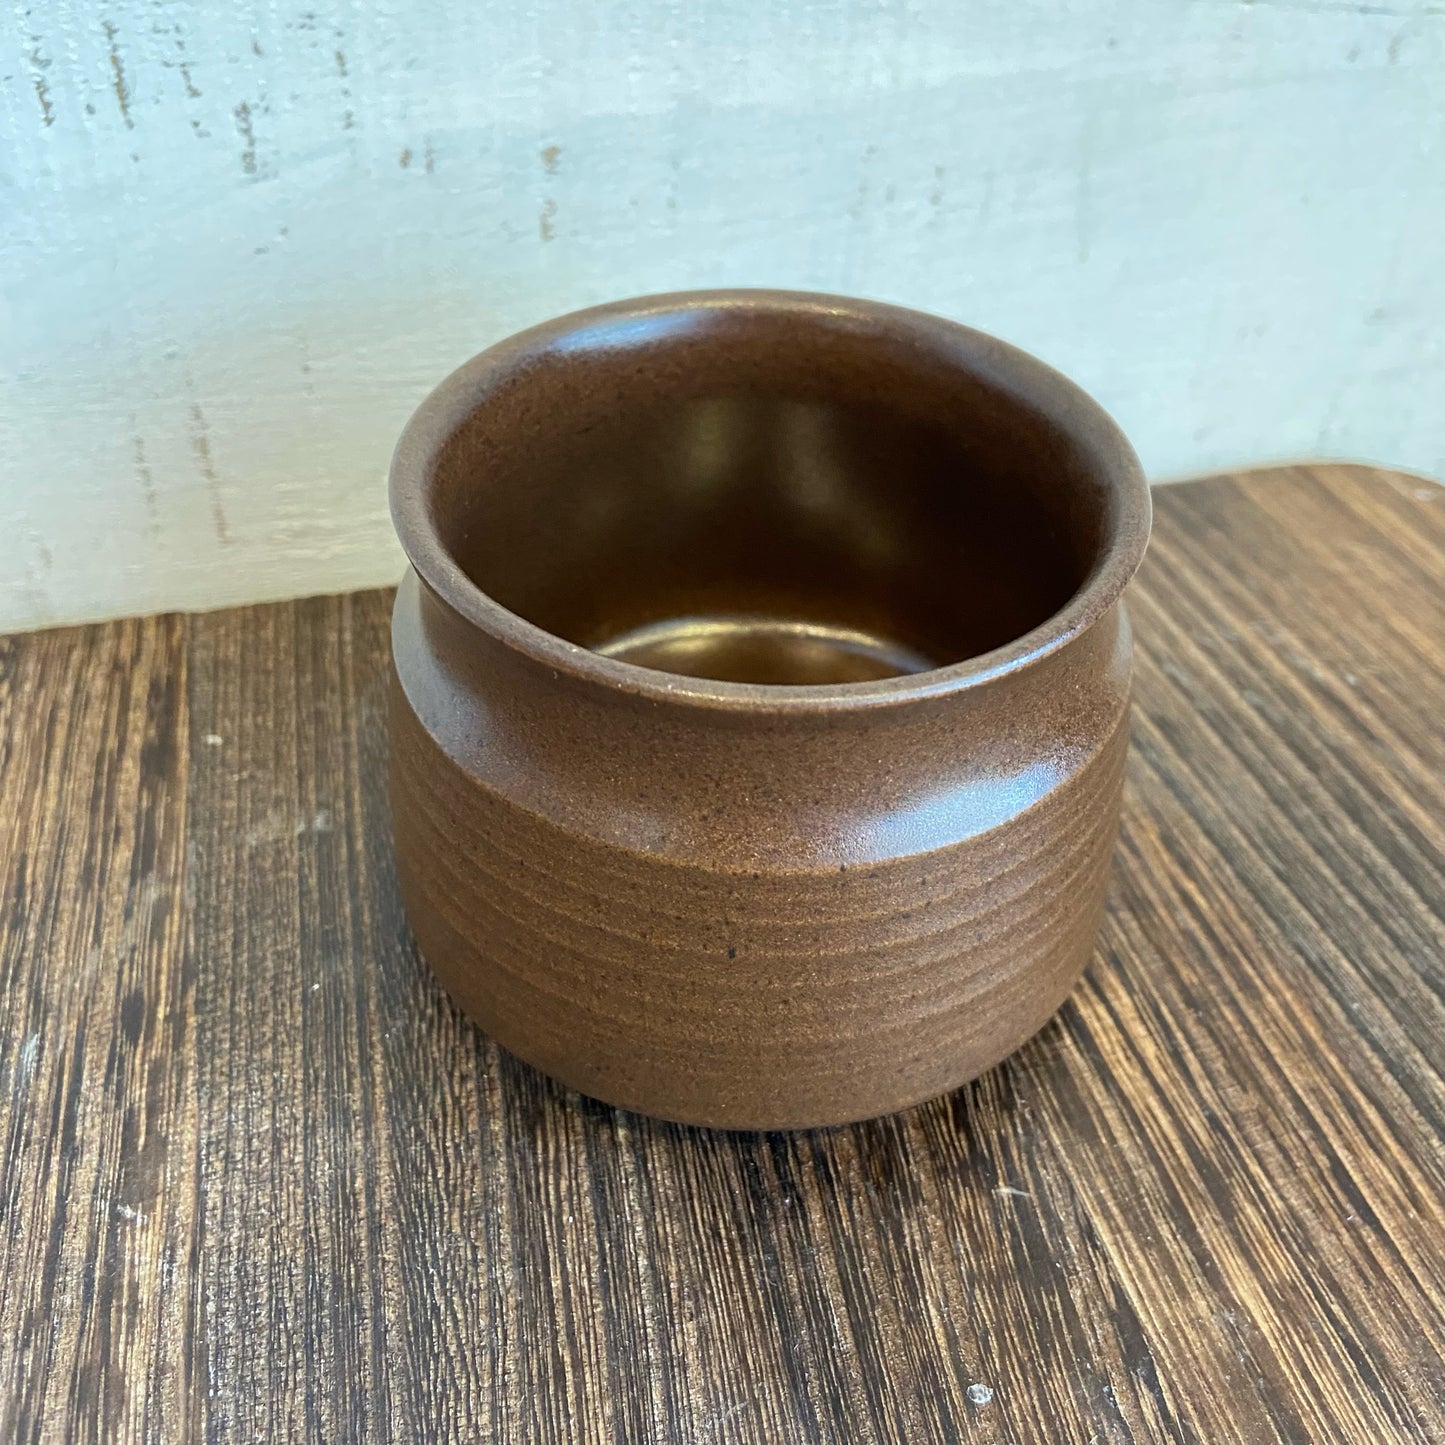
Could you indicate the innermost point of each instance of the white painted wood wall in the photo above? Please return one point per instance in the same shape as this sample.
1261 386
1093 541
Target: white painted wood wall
239 241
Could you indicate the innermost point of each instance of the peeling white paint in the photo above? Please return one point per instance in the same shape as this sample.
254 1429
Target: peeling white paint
276 826
238 244
25 1065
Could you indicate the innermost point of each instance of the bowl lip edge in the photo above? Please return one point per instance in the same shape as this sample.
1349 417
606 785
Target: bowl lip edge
996 362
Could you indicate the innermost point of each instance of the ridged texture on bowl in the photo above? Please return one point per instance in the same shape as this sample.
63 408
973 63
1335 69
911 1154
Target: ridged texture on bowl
714 965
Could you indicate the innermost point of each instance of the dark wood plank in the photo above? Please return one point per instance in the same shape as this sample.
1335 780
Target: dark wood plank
258 1180
98 1189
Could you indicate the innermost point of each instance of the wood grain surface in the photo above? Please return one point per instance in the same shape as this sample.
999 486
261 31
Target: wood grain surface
258 1181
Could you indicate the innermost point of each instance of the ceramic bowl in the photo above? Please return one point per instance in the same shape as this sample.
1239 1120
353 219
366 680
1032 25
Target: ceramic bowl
761 699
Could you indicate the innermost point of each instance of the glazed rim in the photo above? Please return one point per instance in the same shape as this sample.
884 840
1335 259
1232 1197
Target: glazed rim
1010 373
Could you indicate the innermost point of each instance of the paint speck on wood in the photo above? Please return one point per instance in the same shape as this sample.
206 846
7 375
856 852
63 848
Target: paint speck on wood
40 64
147 483
348 114
118 79
201 446
246 129
546 218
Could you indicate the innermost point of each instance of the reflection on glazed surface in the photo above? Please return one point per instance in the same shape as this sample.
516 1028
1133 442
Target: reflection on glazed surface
962 810
765 650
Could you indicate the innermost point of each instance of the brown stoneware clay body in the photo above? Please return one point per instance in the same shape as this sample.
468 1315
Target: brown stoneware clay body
762 699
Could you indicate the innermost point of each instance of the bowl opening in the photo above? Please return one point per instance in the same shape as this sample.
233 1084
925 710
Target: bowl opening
767 494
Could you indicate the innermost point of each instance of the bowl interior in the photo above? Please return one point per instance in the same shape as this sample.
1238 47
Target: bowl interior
766 495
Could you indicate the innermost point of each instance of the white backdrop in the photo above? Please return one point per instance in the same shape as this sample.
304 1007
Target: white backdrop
239 242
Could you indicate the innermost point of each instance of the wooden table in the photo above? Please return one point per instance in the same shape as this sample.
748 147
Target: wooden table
258 1181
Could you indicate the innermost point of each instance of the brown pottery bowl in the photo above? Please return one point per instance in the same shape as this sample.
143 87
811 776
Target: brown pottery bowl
761 699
